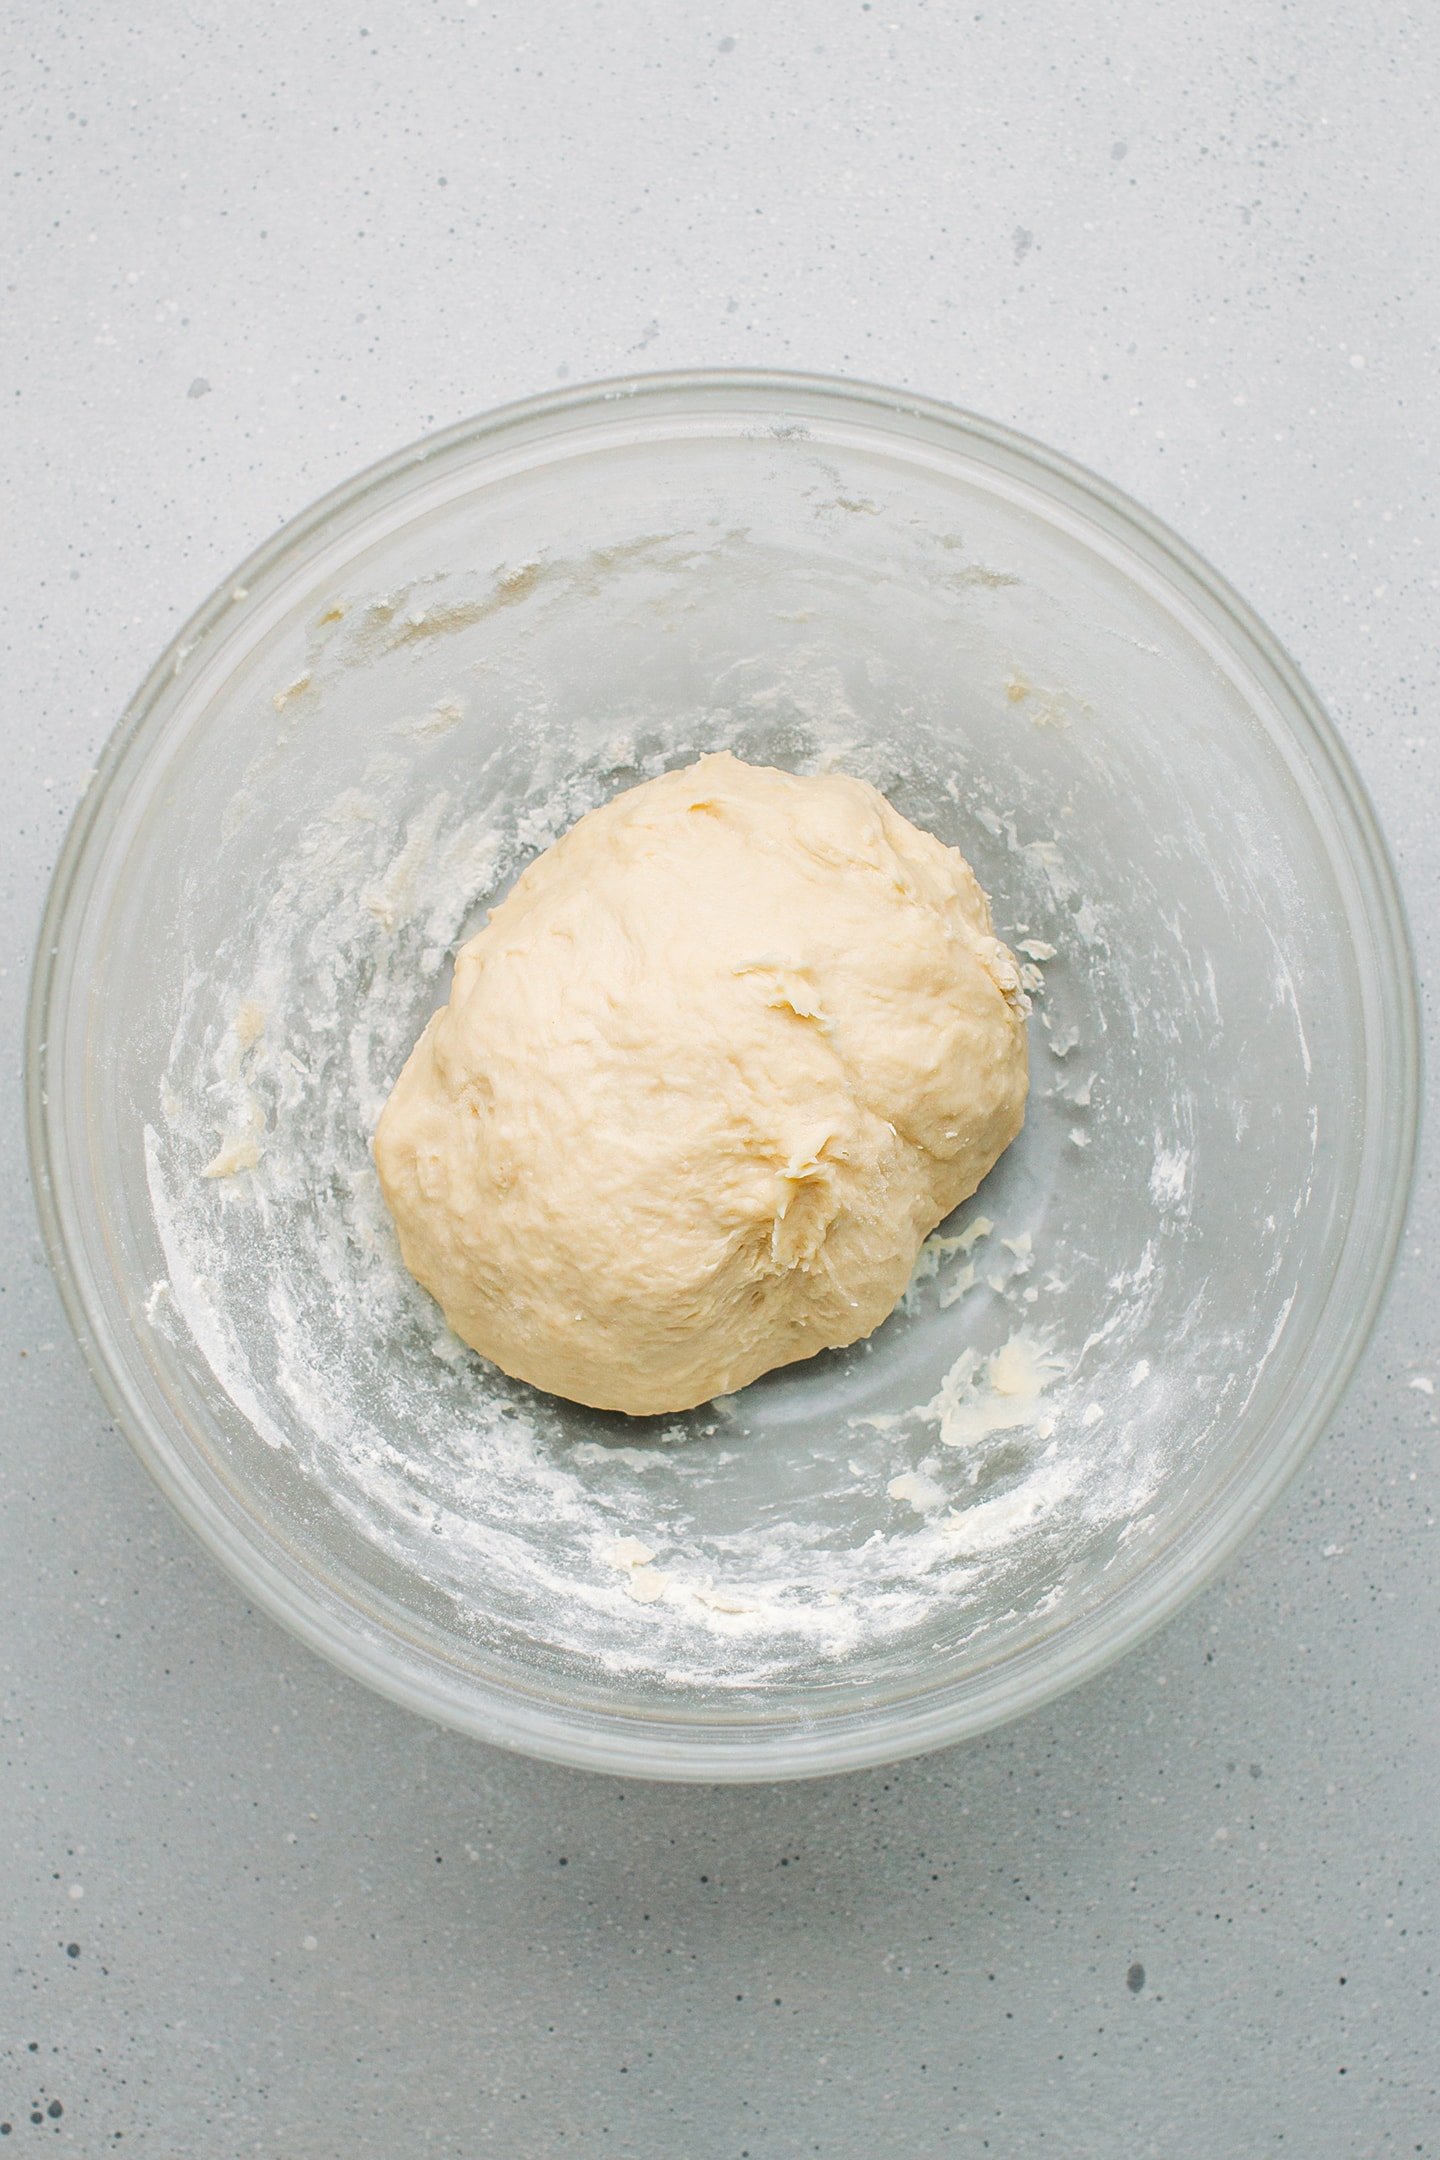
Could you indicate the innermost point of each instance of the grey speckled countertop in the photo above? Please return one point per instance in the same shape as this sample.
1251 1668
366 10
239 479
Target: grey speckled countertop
1190 1911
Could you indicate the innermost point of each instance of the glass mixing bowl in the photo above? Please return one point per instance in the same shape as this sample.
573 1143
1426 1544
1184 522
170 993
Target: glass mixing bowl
1134 1333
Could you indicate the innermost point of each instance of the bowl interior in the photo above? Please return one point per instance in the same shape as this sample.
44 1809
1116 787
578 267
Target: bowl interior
367 744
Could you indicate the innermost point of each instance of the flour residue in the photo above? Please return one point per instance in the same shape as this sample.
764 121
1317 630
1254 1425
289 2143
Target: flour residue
999 1394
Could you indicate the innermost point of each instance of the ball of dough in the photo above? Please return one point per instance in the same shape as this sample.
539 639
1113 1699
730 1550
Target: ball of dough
707 1079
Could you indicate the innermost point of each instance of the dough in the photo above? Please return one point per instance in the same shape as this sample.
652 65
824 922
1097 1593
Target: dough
707 1079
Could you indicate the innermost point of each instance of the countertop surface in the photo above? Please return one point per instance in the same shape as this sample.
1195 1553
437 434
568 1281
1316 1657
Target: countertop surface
1189 1911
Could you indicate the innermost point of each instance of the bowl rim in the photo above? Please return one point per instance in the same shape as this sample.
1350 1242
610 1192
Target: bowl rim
651 1745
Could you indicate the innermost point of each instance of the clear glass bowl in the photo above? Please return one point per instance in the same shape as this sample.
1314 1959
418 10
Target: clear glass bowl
354 746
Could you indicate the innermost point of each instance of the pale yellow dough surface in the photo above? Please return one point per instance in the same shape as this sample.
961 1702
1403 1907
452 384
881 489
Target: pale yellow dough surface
707 1079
